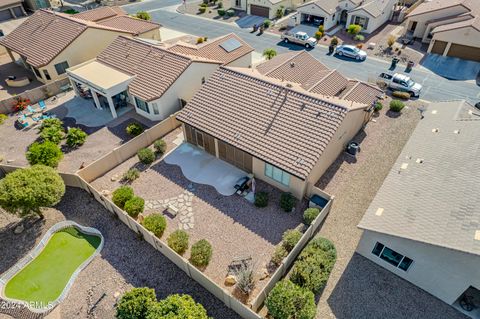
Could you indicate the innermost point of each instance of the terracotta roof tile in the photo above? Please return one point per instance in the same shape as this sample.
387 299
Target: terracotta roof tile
362 92
129 24
332 84
100 13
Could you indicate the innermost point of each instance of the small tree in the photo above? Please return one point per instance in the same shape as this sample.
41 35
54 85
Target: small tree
76 137
287 300
334 41
321 29
269 53
27 190
201 253
143 15
176 306
46 153
280 12
354 29
318 35
391 41
135 303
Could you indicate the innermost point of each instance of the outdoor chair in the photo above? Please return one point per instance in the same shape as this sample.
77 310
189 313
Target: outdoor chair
42 105
22 121
31 109
37 119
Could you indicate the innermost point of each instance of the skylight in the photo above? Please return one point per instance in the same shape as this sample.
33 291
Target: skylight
230 45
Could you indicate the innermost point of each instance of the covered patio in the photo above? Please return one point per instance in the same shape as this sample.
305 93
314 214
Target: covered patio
106 86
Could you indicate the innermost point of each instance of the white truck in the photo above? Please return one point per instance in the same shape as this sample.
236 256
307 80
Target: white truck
401 82
299 38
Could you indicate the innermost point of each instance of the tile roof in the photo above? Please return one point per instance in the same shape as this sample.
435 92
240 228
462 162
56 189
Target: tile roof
435 5
474 23
155 68
361 92
374 7
6 3
329 6
129 24
100 13
212 49
431 193
267 118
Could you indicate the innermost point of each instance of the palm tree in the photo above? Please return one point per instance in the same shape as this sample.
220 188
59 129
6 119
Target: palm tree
269 53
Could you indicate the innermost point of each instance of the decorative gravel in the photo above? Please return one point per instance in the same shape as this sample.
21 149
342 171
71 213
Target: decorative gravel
124 262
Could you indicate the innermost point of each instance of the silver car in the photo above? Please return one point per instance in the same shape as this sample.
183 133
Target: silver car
351 52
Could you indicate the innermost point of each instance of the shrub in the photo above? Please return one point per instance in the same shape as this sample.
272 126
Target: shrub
202 10
20 104
134 206
269 53
287 202
70 11
131 175
245 278
121 195
26 190
401 94
334 41
51 122
155 223
359 37
176 307
318 35
46 153
378 106
220 5
354 29
230 12
143 15
134 129
261 199
290 238
52 134
76 137
221 12
135 303
278 255
280 12
310 214
178 241
3 117
396 105
146 156
199 40
313 266
267 23
321 29
391 41
201 253
160 146
287 300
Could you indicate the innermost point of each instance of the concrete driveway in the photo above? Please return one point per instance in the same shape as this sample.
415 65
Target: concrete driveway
248 21
451 68
307 28
200 167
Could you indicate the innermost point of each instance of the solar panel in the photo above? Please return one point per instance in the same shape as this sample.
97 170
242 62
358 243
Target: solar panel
230 45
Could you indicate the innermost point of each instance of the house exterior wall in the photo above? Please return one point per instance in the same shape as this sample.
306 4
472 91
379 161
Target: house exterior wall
444 273
243 62
432 25
152 35
273 6
312 9
374 22
184 88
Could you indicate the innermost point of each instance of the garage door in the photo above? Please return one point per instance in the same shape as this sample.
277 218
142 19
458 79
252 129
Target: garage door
259 11
5 15
439 47
464 52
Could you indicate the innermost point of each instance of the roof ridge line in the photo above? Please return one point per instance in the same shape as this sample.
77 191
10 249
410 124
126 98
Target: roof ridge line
319 81
282 64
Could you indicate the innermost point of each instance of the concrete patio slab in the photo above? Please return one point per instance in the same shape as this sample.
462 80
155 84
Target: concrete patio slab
451 68
200 167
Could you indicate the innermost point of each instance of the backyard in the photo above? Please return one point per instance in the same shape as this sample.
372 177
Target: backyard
9 68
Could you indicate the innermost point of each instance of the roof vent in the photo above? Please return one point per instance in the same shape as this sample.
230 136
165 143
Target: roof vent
237 135
477 235
456 132
419 161
404 166
303 106
289 85
379 211
435 130
299 161
434 112
292 64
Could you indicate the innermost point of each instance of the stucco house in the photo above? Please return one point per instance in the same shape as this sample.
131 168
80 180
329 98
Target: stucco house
263 8
424 223
452 27
279 121
48 42
11 9
370 14
156 80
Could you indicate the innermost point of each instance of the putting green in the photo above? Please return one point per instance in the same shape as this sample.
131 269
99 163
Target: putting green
44 278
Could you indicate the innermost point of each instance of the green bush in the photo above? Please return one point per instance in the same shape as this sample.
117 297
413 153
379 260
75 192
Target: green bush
178 241
121 195
287 202
354 29
52 134
278 255
202 9
359 37
134 129
76 137
135 303
131 175
221 12
220 5
269 53
267 23
287 301
143 15
318 35
310 214
26 190
396 105
176 307
290 238
146 156
201 253
312 268
155 223
51 122
334 41
3 118
134 206
46 153
378 106
70 11
401 94
160 146
261 199
230 12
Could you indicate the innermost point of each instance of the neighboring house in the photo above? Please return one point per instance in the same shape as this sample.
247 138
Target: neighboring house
424 223
264 8
11 9
230 49
452 27
134 73
370 14
34 5
270 125
48 42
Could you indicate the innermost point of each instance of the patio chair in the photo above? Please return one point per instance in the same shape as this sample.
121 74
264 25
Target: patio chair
22 121
31 109
42 105
37 119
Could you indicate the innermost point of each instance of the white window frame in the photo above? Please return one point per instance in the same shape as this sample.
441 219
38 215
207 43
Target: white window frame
399 263
271 170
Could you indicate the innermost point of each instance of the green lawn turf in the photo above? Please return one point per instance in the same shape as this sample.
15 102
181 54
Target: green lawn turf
45 277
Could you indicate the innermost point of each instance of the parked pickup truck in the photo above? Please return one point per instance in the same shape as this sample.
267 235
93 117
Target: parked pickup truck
401 82
299 38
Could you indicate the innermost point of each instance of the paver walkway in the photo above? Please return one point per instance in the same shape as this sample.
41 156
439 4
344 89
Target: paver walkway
183 203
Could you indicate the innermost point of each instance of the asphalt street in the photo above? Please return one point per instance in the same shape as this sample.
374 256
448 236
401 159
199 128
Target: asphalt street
436 88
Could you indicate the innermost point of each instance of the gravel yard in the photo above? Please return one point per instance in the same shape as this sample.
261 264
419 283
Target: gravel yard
235 227
358 288
124 262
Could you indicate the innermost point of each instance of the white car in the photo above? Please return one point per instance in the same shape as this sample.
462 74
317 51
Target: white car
402 82
351 52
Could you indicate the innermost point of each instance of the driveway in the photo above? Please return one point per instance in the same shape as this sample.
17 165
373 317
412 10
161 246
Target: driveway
200 167
307 28
248 21
451 68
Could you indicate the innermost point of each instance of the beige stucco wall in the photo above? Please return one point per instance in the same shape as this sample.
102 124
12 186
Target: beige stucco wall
152 35
465 36
444 273
243 62
184 88
273 7
311 8
374 22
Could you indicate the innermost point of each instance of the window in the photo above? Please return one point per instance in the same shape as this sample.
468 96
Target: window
277 174
47 76
155 108
238 3
392 257
37 73
61 67
142 105
362 21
